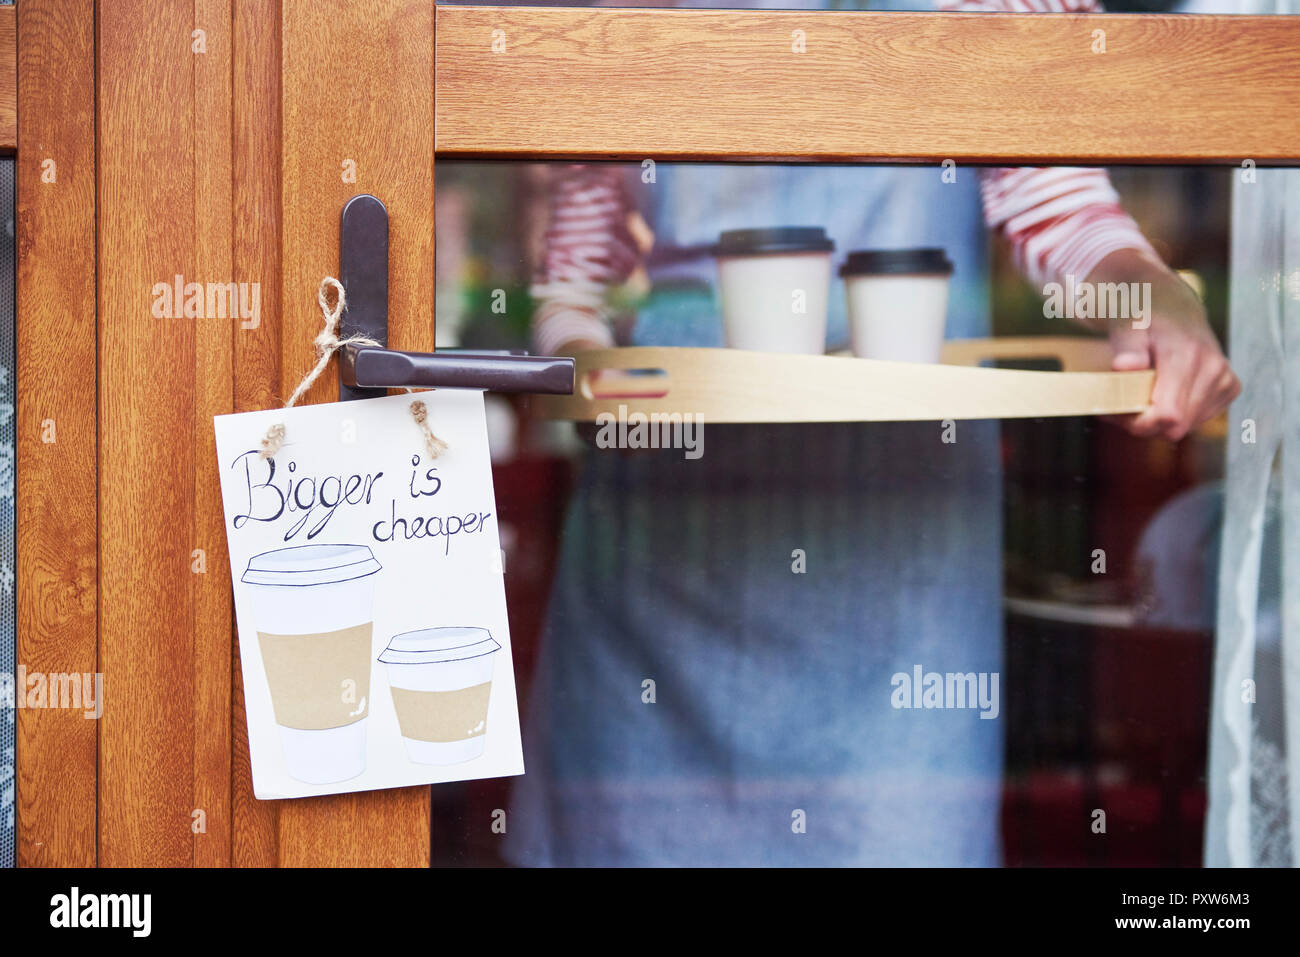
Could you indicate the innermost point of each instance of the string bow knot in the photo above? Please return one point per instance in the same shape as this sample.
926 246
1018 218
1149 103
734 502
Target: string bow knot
327 343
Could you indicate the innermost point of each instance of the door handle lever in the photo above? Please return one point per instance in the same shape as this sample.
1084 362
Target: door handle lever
366 371
368 367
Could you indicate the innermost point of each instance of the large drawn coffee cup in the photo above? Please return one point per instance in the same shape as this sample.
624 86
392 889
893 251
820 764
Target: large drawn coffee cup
441 680
312 605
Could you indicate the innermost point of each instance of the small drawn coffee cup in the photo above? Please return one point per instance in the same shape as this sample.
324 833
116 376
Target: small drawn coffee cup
898 302
774 284
312 606
441 680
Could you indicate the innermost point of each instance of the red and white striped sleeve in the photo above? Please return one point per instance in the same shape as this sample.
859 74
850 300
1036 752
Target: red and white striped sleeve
1058 220
588 250
1021 6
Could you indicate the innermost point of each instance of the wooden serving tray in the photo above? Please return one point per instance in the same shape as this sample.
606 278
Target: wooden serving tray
730 385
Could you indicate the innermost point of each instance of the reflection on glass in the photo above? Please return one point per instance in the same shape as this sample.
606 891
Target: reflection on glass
819 643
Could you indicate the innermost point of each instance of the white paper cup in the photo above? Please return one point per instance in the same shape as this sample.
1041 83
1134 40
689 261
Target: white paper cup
441 680
312 609
898 303
774 284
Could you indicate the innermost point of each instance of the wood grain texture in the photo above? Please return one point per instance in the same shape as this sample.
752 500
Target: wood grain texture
56 480
356 82
148 406
214 395
8 79
703 84
731 385
256 241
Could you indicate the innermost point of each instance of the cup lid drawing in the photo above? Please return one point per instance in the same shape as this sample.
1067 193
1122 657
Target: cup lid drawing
311 565
438 645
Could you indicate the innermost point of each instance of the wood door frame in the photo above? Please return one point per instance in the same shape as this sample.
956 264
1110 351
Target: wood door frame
8 80
184 162
92 365
56 486
630 84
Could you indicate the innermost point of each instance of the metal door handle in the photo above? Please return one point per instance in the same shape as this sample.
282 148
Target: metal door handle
370 368
366 371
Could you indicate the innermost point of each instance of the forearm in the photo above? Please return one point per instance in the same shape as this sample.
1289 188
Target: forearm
1159 287
588 250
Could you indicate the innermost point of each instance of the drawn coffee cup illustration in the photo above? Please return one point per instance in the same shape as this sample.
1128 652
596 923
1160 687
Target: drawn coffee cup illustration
441 680
312 605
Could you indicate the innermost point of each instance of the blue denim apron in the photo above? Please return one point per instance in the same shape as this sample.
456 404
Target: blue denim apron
772 738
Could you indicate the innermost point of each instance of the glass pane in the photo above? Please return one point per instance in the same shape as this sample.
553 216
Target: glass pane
975 642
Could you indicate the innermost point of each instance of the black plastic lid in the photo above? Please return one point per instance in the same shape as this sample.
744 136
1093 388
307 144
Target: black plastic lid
928 261
775 239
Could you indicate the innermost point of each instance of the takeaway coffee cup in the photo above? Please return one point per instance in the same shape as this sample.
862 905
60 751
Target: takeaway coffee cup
898 302
441 679
774 285
312 605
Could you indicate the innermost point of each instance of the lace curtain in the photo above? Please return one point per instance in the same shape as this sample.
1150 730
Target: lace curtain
1254 767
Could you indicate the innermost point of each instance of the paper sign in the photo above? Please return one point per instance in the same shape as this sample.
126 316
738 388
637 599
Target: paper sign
369 597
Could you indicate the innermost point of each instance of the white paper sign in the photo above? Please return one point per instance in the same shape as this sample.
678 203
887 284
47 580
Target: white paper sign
369 597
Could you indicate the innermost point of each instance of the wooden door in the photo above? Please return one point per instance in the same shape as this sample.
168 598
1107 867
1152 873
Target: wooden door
217 141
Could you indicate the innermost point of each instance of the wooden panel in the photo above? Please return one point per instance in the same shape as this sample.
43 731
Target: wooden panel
56 480
147 413
627 84
357 85
9 78
214 395
256 239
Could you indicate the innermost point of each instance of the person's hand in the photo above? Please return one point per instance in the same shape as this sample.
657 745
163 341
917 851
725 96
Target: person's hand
1194 382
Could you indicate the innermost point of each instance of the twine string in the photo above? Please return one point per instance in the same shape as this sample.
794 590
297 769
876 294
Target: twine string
434 445
327 343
